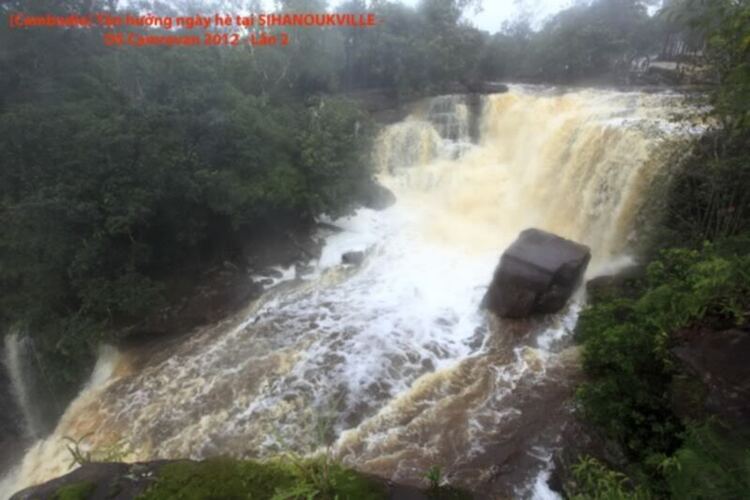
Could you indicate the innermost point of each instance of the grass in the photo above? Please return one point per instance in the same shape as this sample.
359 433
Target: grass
228 479
76 491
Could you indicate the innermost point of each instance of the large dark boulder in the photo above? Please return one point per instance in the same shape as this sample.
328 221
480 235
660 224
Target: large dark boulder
377 197
537 274
353 258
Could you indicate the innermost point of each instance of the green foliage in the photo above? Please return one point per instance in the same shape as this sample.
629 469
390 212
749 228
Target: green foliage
316 476
219 478
124 168
77 455
434 476
627 390
76 491
632 378
626 343
334 143
587 42
712 463
708 199
592 480
81 454
226 479
413 51
602 40
437 489
723 27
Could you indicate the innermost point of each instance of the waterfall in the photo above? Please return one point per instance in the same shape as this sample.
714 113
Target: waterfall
16 363
579 164
49 457
396 350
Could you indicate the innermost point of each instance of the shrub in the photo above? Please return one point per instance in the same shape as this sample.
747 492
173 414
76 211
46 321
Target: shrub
592 480
75 491
712 463
626 343
227 479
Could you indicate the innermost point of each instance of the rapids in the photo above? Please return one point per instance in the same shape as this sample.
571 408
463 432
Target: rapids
391 363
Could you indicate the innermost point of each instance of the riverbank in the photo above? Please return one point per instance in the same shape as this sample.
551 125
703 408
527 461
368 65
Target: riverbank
227 479
663 410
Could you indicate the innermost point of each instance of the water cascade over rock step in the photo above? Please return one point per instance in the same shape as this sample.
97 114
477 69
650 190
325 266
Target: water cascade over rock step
388 107
537 274
12 432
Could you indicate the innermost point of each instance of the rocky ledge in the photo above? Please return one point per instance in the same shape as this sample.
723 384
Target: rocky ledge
222 478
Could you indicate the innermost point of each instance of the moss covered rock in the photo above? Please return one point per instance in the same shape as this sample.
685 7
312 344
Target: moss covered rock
75 491
219 478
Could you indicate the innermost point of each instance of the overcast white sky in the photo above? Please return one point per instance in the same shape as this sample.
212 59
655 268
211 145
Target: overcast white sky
495 12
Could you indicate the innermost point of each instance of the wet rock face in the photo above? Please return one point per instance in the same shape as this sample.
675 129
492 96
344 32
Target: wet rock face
120 481
580 439
537 274
353 258
99 481
719 359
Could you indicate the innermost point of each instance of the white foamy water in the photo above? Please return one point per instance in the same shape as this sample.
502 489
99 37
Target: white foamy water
396 352
15 357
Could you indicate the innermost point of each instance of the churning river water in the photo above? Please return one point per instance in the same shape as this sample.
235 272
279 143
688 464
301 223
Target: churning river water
392 363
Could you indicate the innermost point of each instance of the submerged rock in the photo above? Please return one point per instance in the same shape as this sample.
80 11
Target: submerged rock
353 258
486 87
377 197
537 274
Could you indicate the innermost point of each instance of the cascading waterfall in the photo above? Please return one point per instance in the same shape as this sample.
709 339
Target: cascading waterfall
395 353
16 356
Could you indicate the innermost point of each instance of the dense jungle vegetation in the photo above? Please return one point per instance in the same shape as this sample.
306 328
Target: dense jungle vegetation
698 280
123 168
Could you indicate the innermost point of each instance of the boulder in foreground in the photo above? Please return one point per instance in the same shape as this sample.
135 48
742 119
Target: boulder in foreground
537 274
223 478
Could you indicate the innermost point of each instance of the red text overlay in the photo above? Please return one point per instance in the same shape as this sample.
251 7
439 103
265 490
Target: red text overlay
217 29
